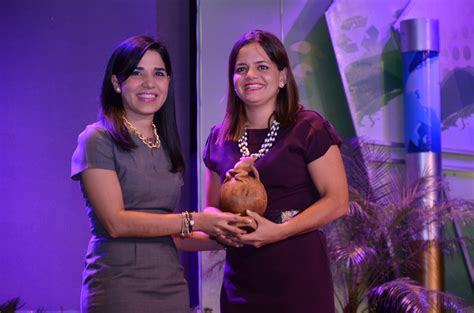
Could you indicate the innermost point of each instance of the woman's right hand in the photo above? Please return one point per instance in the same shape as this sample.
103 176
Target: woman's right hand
221 225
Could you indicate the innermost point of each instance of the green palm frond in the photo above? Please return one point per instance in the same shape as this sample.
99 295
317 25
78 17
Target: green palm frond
11 305
405 295
377 245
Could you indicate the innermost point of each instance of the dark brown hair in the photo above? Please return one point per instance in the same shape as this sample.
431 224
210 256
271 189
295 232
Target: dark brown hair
122 63
287 99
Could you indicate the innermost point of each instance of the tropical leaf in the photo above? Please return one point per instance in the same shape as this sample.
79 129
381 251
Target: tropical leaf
405 295
379 243
11 306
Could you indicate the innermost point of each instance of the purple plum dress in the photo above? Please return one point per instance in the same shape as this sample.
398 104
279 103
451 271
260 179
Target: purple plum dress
291 275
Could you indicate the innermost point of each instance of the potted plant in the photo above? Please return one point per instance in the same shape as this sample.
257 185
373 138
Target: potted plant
373 256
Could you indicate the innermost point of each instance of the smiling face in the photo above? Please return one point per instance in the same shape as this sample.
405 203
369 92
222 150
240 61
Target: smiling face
257 78
145 90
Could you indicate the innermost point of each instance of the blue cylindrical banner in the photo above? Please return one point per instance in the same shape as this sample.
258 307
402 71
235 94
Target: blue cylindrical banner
422 101
421 94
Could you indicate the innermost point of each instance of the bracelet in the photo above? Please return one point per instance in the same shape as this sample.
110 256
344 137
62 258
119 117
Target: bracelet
191 222
187 224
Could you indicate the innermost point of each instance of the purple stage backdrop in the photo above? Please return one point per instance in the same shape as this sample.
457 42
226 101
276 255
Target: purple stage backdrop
53 54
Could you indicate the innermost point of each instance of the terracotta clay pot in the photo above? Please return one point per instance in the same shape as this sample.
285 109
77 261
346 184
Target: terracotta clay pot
242 189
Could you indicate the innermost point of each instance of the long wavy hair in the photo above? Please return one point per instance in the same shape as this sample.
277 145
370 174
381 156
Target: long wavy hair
122 63
287 99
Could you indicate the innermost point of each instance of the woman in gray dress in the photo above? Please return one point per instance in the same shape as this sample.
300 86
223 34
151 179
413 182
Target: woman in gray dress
129 164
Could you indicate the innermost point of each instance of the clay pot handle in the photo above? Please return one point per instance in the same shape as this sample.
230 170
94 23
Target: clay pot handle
255 172
247 164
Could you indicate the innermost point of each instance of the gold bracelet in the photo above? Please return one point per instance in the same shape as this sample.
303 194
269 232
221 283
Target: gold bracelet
187 224
191 221
184 228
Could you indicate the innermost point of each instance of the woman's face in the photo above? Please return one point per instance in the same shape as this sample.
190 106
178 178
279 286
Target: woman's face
145 90
256 77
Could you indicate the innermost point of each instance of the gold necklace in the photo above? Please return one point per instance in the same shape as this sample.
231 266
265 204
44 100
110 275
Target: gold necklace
150 144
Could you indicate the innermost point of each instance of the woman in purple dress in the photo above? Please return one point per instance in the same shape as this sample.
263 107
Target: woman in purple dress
283 265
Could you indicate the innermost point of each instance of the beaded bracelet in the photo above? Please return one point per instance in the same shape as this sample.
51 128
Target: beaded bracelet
187 224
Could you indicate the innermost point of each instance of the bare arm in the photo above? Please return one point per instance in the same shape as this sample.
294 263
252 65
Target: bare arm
199 241
103 189
213 187
328 175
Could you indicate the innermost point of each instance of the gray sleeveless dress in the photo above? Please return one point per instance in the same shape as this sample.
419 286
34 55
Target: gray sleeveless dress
131 274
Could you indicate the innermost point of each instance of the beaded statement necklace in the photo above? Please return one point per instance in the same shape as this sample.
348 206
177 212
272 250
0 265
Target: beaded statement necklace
150 144
266 145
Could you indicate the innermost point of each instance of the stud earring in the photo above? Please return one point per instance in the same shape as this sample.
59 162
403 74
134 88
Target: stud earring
281 85
118 89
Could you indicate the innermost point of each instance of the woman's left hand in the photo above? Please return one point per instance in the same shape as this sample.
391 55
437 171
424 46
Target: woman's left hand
266 232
